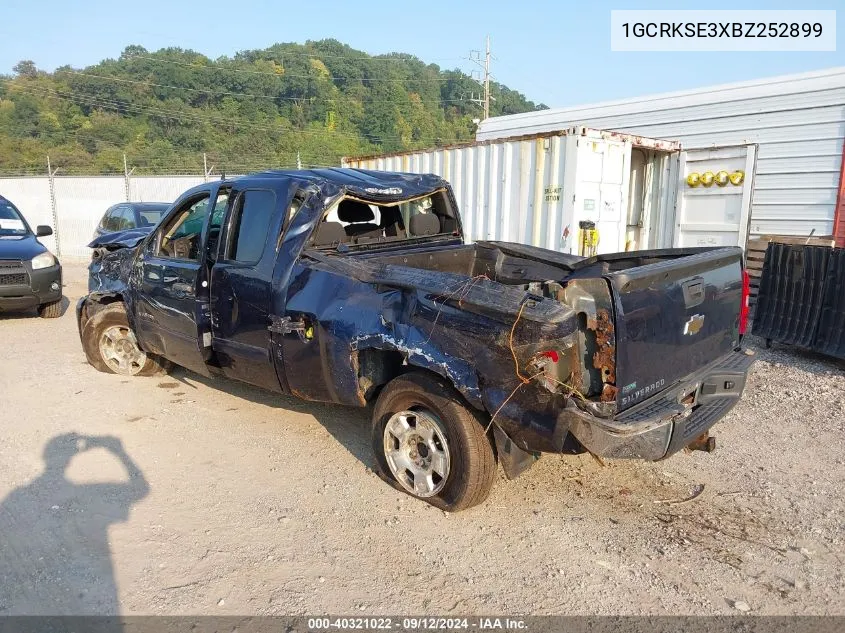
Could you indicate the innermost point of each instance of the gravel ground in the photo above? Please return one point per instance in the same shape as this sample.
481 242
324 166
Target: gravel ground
244 502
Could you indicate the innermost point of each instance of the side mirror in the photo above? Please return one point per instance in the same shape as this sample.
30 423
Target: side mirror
42 230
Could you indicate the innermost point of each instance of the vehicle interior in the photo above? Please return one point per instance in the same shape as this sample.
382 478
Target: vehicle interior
353 221
149 215
356 222
11 223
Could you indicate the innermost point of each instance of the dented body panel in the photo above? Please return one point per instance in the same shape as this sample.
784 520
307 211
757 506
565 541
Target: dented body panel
530 337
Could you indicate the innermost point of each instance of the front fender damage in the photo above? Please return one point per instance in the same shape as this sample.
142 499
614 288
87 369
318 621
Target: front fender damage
108 275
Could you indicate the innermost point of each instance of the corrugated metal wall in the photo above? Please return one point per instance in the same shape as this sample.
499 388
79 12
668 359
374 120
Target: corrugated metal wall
80 202
496 208
798 122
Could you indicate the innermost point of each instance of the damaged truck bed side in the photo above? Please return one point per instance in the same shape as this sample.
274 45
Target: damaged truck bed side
357 288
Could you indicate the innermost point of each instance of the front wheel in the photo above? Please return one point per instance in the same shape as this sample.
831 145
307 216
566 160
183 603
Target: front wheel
430 444
50 310
111 347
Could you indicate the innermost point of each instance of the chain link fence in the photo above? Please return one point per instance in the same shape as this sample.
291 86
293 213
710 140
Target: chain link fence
74 205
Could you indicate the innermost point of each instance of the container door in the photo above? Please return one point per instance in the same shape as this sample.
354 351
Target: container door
713 197
601 192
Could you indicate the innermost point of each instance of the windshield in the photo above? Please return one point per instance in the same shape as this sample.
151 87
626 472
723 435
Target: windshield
11 222
352 221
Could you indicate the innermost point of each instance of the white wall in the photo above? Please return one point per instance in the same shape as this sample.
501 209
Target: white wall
80 202
797 120
32 198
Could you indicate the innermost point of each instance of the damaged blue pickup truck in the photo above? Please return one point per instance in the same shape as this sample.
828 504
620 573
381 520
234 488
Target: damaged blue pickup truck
358 288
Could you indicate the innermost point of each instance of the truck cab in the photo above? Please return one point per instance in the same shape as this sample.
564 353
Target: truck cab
358 288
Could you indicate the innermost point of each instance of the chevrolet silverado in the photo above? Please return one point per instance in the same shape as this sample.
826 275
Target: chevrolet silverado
358 288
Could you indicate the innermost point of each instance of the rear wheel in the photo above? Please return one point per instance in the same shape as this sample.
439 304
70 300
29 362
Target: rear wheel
50 310
430 444
111 347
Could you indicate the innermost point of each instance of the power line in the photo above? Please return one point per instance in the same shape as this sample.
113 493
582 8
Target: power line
381 58
243 94
123 107
284 73
183 162
157 85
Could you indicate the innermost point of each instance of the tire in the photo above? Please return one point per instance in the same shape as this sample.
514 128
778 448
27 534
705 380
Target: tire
50 310
428 420
108 331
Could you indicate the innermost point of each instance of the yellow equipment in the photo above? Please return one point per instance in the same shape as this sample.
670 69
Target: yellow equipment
588 238
737 177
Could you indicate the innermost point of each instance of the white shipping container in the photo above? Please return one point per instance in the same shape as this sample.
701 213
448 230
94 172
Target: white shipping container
537 189
797 121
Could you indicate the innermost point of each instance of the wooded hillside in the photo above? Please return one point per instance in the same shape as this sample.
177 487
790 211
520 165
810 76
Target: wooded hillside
254 110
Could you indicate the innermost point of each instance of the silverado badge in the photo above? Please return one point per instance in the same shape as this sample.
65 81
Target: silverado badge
694 324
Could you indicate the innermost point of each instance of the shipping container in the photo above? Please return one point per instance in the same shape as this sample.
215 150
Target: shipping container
541 189
798 122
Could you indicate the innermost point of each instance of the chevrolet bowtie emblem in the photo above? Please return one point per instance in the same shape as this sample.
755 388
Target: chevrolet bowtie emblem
694 325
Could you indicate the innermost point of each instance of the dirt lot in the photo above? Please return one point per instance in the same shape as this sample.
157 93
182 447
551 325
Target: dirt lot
248 503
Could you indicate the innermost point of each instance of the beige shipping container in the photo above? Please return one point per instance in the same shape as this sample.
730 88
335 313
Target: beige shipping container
537 189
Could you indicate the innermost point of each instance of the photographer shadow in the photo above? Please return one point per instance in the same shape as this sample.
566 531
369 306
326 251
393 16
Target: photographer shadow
54 539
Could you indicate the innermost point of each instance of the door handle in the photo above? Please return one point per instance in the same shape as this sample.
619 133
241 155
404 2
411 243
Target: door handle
286 325
693 292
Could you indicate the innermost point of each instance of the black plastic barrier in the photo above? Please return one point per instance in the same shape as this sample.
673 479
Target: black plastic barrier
801 300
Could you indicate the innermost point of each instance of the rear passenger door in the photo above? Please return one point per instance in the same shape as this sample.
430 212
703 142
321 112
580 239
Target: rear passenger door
241 283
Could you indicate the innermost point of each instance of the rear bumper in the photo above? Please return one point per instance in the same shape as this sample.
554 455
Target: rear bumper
663 425
38 292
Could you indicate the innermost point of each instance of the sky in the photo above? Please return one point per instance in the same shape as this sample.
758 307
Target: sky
557 53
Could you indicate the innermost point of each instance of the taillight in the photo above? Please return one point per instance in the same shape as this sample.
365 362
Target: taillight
746 297
552 355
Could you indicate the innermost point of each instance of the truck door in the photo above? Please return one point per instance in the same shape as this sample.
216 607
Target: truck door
170 294
241 282
713 197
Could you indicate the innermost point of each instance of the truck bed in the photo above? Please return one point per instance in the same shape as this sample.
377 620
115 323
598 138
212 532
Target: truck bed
668 312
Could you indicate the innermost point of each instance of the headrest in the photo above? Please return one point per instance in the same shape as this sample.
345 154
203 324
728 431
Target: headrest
330 233
390 216
424 224
354 211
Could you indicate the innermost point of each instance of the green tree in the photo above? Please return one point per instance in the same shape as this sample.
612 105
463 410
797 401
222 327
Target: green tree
255 109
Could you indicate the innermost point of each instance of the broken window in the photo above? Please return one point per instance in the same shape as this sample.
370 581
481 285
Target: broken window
354 221
182 235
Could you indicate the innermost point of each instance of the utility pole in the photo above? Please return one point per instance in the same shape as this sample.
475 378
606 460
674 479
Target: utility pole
487 81
475 57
